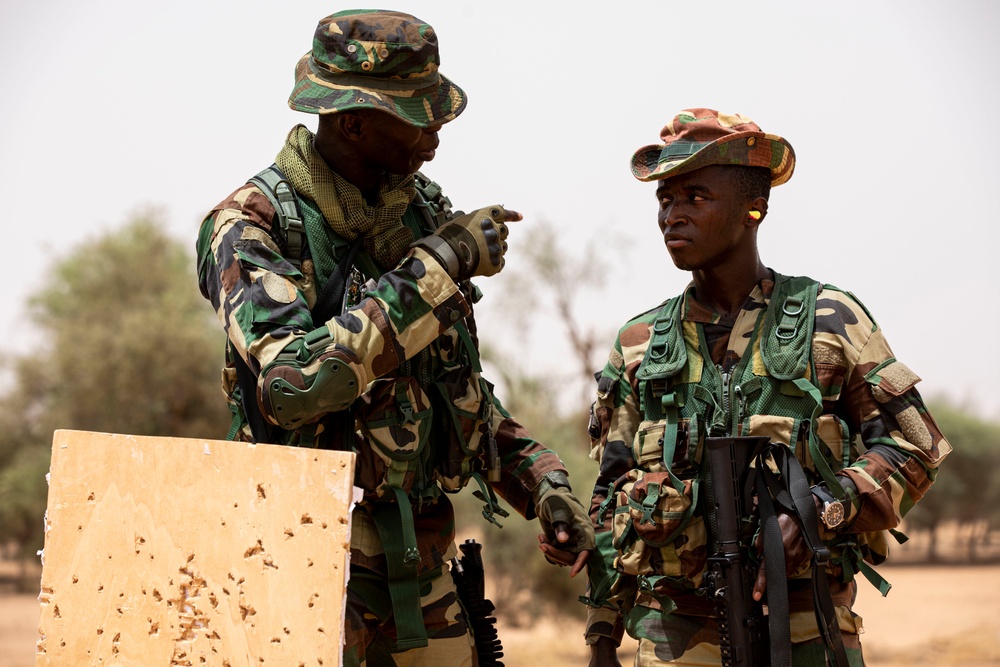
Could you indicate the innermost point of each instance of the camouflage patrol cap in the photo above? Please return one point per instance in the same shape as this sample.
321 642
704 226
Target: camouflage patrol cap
375 59
697 138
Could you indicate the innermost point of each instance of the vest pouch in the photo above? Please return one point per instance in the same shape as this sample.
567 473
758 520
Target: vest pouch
395 417
469 418
647 446
835 436
650 514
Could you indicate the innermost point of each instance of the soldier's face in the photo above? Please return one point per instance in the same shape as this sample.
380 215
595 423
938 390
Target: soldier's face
396 146
701 216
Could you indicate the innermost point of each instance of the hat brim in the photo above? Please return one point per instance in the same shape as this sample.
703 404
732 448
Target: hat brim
435 104
747 149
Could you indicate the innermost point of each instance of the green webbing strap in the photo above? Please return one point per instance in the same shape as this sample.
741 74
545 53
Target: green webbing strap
491 506
463 333
234 407
791 315
819 460
273 184
669 405
667 352
394 522
874 578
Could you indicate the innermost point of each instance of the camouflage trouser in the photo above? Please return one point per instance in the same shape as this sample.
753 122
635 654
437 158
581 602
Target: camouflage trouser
371 631
693 641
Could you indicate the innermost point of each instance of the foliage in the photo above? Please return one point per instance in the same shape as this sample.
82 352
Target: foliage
126 344
128 328
554 281
967 488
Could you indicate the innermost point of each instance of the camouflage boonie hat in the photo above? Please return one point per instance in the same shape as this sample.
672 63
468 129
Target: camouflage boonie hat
374 59
697 138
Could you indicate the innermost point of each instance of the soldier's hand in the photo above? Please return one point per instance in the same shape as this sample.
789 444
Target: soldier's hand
604 653
797 553
473 244
568 536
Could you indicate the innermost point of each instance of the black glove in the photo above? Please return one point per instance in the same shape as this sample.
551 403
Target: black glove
472 244
558 505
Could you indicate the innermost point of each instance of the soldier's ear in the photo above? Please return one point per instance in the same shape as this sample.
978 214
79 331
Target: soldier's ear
350 125
757 211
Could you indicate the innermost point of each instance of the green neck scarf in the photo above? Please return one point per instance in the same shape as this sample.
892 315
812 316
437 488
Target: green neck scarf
386 238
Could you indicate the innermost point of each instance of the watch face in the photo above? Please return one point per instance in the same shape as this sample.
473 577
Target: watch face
833 515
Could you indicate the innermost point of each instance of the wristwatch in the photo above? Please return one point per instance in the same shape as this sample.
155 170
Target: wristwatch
831 511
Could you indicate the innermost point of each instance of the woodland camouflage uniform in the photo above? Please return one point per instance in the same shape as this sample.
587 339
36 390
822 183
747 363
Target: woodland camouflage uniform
408 336
873 430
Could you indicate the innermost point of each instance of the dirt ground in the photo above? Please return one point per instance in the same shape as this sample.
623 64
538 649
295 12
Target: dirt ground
944 616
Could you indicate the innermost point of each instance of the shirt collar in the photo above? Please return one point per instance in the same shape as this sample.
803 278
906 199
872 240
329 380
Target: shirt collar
695 311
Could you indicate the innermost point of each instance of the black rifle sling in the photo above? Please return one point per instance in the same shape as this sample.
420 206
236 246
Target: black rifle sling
778 623
791 491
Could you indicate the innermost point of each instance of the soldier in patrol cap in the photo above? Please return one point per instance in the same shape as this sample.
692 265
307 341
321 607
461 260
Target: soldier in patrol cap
744 351
342 279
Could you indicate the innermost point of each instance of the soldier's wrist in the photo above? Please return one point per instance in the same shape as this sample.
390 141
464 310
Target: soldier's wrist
555 479
442 251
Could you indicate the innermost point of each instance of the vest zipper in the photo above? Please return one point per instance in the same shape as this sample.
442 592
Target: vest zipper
723 423
726 377
741 403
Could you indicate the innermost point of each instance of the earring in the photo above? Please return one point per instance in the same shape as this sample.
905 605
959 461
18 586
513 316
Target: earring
754 214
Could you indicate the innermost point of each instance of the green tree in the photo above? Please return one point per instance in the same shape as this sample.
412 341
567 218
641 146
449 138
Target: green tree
967 488
556 280
125 344
132 345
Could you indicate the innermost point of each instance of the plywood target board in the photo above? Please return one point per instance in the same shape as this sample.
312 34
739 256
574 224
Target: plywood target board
185 552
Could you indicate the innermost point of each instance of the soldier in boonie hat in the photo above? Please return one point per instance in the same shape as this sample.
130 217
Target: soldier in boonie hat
744 355
697 138
342 278
380 60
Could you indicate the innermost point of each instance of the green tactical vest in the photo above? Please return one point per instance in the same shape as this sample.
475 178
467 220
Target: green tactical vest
679 384
410 404
771 391
414 392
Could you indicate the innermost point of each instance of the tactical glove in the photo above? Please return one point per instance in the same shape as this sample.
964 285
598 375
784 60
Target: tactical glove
557 504
472 244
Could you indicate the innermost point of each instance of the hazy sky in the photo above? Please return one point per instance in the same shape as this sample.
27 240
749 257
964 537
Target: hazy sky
109 107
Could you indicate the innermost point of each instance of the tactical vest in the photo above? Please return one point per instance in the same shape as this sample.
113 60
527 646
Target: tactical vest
771 392
399 412
402 410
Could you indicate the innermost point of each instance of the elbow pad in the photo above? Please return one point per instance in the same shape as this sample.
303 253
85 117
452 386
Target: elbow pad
300 387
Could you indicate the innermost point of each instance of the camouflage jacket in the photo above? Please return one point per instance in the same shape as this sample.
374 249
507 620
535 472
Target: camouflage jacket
405 326
902 448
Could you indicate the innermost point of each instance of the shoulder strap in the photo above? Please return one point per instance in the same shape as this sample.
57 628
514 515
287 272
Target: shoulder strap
786 343
434 206
278 190
666 353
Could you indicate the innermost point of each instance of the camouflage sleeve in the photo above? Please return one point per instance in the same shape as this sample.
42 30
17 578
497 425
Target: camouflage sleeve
614 419
523 462
876 394
261 300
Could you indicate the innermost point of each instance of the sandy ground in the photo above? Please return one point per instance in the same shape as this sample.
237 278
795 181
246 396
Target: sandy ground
938 616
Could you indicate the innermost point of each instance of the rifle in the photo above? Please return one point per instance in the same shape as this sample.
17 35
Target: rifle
743 623
470 580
